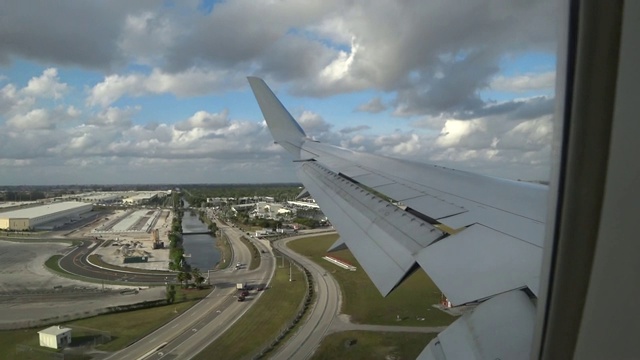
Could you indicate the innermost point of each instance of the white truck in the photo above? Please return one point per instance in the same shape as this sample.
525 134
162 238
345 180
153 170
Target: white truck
241 286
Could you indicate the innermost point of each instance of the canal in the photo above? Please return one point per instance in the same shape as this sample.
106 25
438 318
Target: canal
201 247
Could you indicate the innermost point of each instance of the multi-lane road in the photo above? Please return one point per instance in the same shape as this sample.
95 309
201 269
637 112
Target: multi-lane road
188 334
327 305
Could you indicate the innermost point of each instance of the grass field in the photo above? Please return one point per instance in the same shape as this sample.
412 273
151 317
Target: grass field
255 254
411 301
120 326
225 251
275 309
372 345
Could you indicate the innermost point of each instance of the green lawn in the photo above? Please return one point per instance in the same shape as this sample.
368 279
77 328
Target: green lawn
411 300
222 243
255 254
119 325
372 345
259 326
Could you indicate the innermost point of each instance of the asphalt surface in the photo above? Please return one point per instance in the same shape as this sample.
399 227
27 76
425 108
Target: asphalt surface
76 262
321 316
192 331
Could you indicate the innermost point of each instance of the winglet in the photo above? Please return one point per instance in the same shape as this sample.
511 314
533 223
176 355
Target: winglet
284 129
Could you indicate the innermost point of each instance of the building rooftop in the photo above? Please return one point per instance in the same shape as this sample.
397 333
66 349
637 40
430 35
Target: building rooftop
55 330
37 211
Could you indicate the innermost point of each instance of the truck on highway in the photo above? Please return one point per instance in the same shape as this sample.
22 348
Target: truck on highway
241 286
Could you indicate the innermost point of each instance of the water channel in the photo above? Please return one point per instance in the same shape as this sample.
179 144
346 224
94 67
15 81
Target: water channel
201 247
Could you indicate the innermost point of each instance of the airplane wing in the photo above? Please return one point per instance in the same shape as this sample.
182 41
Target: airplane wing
479 238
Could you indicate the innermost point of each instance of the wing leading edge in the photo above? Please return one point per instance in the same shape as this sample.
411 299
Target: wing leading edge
479 238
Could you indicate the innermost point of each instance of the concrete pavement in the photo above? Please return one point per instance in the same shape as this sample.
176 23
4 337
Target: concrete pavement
306 339
188 334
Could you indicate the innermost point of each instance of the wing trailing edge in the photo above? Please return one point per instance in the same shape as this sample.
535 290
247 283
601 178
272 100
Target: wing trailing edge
478 238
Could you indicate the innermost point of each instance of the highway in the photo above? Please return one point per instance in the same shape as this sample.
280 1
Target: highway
188 334
327 306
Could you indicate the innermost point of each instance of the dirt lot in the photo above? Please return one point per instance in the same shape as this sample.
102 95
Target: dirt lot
29 292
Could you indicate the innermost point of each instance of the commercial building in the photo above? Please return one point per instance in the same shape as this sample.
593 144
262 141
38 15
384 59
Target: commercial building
55 337
142 198
30 218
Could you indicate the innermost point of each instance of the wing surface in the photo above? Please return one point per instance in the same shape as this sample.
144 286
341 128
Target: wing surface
477 237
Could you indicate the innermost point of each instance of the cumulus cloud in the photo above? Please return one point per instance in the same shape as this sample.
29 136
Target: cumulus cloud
313 123
146 35
349 130
47 85
42 119
433 72
373 106
188 83
205 120
113 117
524 82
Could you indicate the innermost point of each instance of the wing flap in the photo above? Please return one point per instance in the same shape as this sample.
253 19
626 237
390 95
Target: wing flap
479 262
500 328
383 237
433 207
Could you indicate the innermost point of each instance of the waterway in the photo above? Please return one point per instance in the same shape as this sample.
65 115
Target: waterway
202 247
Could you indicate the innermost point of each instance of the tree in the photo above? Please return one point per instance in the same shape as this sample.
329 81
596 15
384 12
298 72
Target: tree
170 294
197 277
182 277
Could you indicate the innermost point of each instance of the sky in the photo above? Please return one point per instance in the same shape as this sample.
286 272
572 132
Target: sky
130 92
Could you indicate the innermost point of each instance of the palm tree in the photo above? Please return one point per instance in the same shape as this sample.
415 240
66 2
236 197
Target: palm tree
182 277
170 294
197 277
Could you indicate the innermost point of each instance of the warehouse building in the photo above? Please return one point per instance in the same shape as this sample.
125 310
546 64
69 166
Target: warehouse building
31 218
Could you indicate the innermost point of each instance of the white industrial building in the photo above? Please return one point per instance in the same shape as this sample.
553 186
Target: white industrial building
142 198
30 218
100 198
270 210
55 337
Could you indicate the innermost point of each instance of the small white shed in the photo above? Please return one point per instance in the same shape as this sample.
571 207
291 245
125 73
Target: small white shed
55 337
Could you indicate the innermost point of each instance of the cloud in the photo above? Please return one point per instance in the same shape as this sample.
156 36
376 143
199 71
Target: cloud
431 76
349 130
47 85
204 120
114 117
59 32
313 123
525 82
146 35
42 119
188 83
373 106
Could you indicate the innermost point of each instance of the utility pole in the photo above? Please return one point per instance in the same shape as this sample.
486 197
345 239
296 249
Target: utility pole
289 271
